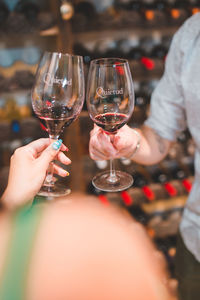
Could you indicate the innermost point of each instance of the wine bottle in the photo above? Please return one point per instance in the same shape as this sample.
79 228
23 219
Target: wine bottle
84 16
183 139
158 176
133 12
28 8
147 44
4 12
160 11
107 48
138 53
178 172
194 6
141 99
148 10
174 170
167 246
82 50
188 162
178 11
166 41
138 214
121 4
154 12
150 192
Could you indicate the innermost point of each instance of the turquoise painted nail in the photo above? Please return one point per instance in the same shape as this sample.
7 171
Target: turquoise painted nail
60 141
56 145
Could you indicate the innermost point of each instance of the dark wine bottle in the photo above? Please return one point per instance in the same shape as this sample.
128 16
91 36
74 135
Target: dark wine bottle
159 51
129 11
167 246
142 182
188 162
174 169
138 214
146 45
141 99
166 41
141 107
107 48
4 12
86 8
154 12
160 11
29 8
178 11
159 176
135 8
194 6
121 4
148 10
139 180
80 49
84 16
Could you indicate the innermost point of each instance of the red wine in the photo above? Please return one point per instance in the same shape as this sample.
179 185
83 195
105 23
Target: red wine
56 119
111 122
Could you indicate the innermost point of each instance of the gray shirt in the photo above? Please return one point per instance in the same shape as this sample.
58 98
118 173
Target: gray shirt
175 105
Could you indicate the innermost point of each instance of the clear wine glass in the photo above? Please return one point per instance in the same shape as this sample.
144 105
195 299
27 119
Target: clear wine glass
110 102
57 99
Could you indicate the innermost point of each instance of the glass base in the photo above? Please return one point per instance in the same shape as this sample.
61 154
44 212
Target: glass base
101 182
55 190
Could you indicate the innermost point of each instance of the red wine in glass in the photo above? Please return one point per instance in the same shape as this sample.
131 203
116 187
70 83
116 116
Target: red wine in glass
56 119
111 122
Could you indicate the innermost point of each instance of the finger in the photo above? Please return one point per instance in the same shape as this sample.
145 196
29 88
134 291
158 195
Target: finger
49 154
64 148
63 158
60 171
95 155
37 146
104 144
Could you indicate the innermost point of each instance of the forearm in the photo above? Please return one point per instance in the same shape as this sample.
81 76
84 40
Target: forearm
153 148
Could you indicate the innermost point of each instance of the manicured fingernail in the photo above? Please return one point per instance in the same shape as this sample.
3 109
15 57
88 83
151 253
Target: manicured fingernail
56 145
66 173
60 141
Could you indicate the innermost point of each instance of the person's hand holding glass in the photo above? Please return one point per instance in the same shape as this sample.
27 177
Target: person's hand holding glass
57 99
110 102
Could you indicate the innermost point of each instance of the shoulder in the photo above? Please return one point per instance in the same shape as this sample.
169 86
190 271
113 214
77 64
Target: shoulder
188 33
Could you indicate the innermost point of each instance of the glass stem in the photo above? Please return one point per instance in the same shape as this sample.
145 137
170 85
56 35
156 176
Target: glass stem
112 178
49 176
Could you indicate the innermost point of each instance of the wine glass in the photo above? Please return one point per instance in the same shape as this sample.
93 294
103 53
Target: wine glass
110 102
57 99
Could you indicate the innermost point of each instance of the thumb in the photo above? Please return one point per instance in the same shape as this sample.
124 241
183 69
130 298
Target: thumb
49 153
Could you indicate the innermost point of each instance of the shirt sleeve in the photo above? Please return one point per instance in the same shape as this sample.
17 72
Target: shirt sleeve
167 113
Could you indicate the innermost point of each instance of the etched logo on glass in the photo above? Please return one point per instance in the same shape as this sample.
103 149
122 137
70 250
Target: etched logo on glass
108 92
50 80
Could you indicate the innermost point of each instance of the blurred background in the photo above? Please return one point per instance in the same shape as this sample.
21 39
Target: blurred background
140 31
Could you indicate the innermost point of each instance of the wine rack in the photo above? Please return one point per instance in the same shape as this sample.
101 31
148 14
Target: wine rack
140 31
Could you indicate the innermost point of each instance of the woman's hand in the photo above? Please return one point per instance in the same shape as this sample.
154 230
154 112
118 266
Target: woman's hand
28 170
123 144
